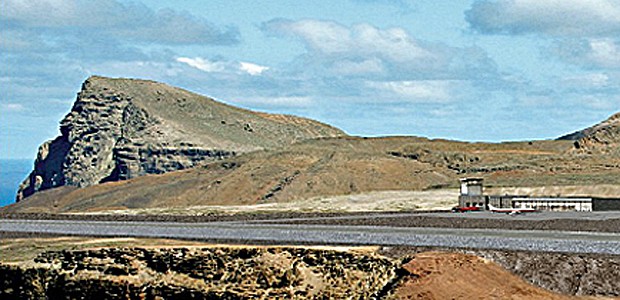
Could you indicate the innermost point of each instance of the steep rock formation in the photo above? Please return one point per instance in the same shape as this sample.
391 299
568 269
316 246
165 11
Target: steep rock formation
206 273
602 137
124 128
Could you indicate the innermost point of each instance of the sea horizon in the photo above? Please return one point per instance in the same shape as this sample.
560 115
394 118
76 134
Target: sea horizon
12 173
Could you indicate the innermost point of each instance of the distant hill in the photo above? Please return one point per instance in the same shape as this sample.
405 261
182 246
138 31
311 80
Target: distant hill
338 166
604 136
125 128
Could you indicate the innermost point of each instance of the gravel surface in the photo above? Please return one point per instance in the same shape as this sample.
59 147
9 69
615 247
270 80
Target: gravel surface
574 221
591 222
573 242
245 216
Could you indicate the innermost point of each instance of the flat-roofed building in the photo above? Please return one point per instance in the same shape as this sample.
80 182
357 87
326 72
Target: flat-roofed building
472 194
554 203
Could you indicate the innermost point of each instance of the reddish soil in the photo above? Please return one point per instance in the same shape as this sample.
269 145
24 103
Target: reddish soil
438 275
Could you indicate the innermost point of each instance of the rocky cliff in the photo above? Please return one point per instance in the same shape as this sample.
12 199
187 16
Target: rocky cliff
124 128
199 273
602 137
294 272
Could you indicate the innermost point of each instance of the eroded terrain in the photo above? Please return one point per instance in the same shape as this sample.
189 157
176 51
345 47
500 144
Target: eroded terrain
129 268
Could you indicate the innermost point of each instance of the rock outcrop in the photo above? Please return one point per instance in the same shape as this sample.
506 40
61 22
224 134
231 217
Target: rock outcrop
124 128
205 273
602 137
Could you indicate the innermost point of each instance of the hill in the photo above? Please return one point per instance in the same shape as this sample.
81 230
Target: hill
339 166
604 136
125 128
124 137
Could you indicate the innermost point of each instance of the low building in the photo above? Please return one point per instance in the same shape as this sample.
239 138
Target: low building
554 203
472 195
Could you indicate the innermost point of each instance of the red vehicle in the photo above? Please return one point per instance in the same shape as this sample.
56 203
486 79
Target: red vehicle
465 209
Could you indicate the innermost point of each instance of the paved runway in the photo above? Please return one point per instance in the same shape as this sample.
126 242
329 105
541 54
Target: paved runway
554 241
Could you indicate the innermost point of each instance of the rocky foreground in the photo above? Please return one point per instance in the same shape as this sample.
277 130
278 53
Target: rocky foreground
269 272
187 273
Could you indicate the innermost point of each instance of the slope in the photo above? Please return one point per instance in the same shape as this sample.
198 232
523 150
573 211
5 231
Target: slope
125 128
338 166
602 137
437 275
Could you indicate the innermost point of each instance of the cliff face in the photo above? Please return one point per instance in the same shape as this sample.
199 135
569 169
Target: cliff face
124 128
206 273
602 137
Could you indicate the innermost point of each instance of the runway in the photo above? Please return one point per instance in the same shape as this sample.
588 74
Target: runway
531 240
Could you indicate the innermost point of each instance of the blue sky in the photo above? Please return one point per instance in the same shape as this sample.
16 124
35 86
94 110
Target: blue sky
467 70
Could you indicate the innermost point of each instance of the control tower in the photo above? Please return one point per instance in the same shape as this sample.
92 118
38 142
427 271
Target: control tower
472 193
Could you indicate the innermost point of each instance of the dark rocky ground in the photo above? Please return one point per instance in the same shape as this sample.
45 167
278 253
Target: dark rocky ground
416 219
199 273
422 220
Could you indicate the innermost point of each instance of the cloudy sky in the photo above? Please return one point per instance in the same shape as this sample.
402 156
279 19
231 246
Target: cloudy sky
467 70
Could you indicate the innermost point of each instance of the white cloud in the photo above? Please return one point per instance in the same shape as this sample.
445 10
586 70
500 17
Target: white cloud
331 38
276 101
130 21
203 64
210 66
601 53
422 91
591 80
444 112
13 107
602 102
585 32
367 66
605 52
252 69
553 17
375 53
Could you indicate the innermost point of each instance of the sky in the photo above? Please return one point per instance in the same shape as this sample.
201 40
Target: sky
469 70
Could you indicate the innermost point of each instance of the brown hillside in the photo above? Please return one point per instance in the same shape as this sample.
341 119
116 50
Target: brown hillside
125 128
436 275
602 137
339 166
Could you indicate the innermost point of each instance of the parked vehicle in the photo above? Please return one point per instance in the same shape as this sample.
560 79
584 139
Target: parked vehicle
458 209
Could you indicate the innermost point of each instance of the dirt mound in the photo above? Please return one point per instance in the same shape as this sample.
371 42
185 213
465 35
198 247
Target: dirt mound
435 275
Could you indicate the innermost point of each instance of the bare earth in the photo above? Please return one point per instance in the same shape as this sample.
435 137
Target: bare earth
440 275
425 275
372 201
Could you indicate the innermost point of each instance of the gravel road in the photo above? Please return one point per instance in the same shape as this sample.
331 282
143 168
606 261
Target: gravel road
531 240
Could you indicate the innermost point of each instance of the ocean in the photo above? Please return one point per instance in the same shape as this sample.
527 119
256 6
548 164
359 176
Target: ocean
12 173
